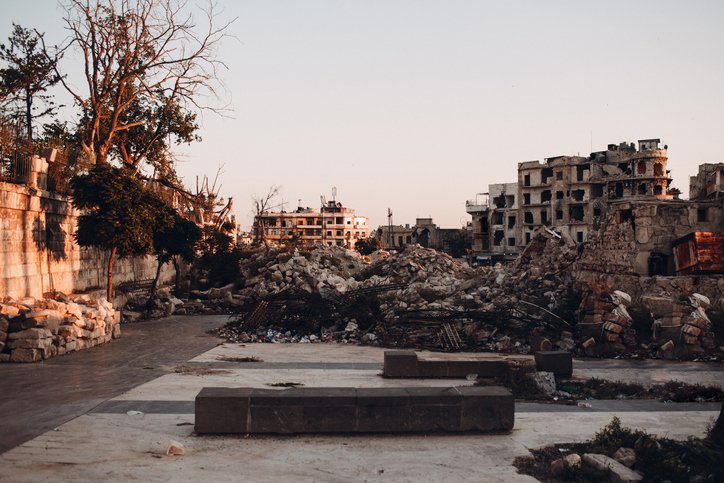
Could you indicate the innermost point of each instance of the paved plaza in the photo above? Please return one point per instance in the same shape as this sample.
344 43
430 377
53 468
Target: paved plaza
123 402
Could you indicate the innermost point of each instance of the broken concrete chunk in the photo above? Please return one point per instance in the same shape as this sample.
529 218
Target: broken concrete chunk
618 472
175 448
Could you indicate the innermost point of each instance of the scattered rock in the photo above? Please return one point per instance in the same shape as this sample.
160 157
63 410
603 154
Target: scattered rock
625 456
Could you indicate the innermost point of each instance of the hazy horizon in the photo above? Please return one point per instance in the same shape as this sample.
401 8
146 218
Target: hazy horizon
419 105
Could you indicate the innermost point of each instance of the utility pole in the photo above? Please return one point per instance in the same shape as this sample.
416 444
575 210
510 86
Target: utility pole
390 237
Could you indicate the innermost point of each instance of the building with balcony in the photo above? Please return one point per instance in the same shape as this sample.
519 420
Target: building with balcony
332 224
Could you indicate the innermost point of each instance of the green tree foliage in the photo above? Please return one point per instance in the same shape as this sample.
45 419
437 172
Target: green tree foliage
174 240
219 257
119 213
27 75
367 245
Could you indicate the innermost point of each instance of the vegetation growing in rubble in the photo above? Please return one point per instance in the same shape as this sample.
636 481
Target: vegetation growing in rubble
659 459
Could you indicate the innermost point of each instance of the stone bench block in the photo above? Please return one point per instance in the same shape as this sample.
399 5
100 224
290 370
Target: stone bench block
351 410
405 364
560 363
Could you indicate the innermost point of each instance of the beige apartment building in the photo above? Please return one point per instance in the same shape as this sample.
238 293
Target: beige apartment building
332 224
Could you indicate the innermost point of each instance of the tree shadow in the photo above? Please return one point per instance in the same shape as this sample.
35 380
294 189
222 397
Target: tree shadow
50 237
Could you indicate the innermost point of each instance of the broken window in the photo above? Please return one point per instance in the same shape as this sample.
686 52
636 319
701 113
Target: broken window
526 198
497 218
581 172
545 174
597 212
527 237
596 191
702 215
329 232
624 167
579 237
511 222
658 169
310 221
559 195
498 237
619 190
408 240
509 201
658 189
625 215
484 225
511 241
339 232
399 240
658 264
545 196
641 167
559 214
499 201
576 213
578 195
544 217
559 175
528 217
643 188
526 180
339 220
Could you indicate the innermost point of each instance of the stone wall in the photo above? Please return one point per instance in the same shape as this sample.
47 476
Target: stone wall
38 253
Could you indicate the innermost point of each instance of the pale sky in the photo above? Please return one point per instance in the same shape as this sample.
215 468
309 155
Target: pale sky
419 105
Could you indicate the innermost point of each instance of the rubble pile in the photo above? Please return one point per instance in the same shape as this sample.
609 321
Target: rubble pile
604 316
416 298
327 271
35 329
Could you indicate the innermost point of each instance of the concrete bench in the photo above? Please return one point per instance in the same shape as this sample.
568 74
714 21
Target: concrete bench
560 363
401 364
351 410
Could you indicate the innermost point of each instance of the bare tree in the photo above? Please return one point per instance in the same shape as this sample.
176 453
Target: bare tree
133 50
261 205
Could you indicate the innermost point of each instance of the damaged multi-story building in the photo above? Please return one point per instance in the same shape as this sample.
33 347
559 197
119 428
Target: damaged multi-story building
332 224
574 195
454 241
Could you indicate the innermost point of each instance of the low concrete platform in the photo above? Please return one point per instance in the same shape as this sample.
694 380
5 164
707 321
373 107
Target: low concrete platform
406 364
223 410
560 363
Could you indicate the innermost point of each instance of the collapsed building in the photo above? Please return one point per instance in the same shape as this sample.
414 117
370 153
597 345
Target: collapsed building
575 196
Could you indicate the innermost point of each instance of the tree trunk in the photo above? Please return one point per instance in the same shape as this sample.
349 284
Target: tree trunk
152 292
29 115
111 257
177 278
717 432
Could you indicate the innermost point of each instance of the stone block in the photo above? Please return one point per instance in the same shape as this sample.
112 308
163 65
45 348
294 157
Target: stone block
26 355
221 410
332 410
559 363
400 364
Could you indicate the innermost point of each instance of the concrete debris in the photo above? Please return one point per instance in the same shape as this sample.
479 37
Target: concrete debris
617 472
36 329
625 456
175 448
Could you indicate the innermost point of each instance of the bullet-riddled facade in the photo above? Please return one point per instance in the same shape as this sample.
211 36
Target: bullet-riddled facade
574 195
